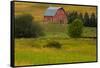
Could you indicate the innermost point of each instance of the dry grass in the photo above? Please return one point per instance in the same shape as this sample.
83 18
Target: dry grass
73 50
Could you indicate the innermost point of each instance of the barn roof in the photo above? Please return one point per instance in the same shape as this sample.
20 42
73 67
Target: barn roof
51 11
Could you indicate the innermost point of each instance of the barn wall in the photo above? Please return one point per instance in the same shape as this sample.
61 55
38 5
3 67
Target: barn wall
48 19
60 17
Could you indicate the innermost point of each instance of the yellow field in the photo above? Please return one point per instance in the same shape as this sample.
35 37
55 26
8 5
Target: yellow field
37 10
71 51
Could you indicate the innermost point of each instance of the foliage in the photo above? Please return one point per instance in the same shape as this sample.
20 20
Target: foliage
90 21
93 22
86 19
53 44
26 27
72 16
75 28
80 16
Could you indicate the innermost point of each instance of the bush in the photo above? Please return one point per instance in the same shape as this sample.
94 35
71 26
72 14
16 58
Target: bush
26 27
53 44
75 28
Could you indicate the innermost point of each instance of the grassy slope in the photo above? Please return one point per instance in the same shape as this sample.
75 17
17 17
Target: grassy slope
31 52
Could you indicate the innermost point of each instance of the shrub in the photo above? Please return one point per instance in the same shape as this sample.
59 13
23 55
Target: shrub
75 28
26 27
53 44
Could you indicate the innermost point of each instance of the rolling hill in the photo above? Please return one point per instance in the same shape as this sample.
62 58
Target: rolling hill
37 9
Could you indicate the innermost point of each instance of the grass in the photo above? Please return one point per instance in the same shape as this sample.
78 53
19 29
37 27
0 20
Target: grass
73 50
60 30
31 51
89 32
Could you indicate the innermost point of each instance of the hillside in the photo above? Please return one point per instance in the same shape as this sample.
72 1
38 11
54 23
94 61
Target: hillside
37 10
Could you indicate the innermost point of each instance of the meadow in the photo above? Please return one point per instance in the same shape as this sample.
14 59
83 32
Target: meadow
80 50
31 51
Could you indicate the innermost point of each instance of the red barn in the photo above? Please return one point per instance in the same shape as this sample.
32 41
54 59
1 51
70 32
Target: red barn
55 15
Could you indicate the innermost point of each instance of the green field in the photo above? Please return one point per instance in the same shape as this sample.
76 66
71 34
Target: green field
61 30
80 50
30 51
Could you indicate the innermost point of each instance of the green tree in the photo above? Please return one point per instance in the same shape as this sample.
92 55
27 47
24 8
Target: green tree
75 28
86 19
26 27
72 16
93 22
80 16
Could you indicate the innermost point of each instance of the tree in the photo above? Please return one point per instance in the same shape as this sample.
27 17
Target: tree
86 19
72 16
93 22
80 16
26 27
75 28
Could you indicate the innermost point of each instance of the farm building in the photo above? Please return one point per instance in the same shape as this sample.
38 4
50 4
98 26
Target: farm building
55 15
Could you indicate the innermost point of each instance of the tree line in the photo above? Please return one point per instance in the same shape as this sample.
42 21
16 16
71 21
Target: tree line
88 20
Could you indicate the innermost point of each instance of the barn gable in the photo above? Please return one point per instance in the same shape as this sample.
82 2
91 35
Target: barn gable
55 15
51 11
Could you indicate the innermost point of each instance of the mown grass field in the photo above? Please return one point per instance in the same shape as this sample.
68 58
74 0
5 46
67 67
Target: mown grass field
30 51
